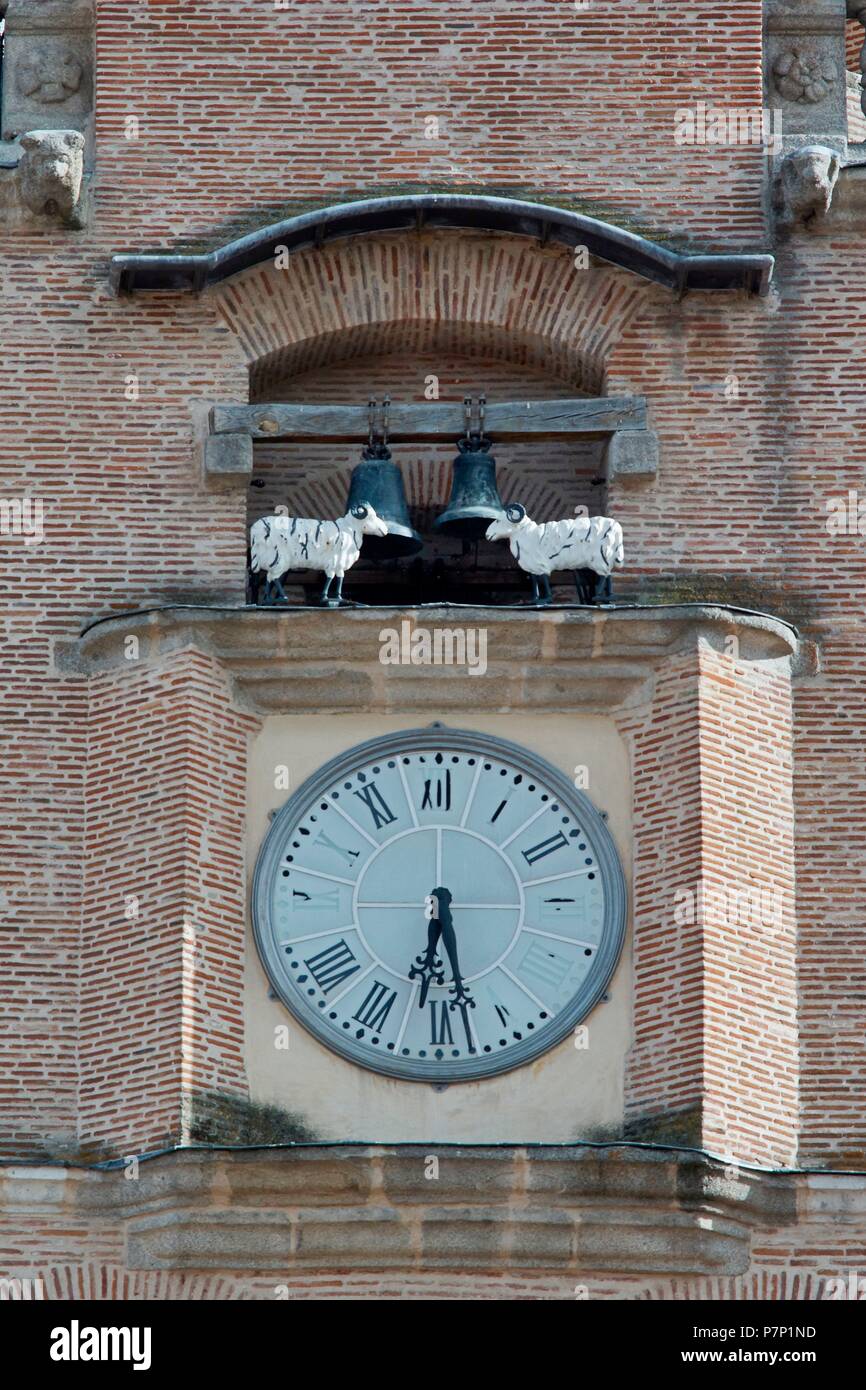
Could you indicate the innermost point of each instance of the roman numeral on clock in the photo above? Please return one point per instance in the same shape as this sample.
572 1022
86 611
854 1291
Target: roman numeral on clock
332 966
376 1007
502 1013
440 1022
543 965
347 855
376 805
443 793
544 847
328 901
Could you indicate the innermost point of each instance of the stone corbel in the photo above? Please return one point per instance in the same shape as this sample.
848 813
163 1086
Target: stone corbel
42 180
228 460
46 118
632 454
804 189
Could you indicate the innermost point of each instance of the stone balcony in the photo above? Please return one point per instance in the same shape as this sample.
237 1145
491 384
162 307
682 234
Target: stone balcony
574 1210
552 659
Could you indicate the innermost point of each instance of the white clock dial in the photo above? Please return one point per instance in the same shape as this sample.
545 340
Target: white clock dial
439 905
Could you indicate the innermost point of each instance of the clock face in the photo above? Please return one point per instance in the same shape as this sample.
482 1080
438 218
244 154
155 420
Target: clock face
439 905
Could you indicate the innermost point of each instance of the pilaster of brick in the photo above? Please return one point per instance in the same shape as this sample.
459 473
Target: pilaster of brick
715 1029
44 722
714 1059
162 944
664 1079
751 1071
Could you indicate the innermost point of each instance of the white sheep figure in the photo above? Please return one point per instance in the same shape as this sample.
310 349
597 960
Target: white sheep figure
282 543
589 545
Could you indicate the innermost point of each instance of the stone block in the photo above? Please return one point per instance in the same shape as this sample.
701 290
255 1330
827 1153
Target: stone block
480 1238
632 454
212 1240
360 1238
465 1237
297 1176
575 1176
630 1241
48 67
487 1175
228 458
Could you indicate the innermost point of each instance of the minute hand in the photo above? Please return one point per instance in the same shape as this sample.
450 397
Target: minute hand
449 938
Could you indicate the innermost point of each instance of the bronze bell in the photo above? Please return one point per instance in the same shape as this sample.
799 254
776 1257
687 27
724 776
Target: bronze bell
377 480
475 500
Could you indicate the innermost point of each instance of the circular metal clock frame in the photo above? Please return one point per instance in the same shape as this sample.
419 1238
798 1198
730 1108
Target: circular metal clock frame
436 738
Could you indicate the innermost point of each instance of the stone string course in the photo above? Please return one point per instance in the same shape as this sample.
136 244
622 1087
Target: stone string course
504 1223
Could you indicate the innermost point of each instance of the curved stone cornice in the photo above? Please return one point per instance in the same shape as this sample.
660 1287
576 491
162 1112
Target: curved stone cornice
572 1209
411 212
558 658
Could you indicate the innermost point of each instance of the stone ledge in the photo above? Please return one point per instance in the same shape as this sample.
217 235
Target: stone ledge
458 1238
575 1209
558 658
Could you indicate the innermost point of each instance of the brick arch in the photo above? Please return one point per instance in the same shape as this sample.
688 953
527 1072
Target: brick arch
500 295
759 1285
405 341
91 1280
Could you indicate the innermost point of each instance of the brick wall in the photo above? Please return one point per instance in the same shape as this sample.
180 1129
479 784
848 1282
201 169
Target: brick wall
232 127
751 1063
163 910
666 1065
714 1059
772 455
521 93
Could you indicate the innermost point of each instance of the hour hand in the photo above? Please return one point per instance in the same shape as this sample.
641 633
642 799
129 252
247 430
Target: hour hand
428 967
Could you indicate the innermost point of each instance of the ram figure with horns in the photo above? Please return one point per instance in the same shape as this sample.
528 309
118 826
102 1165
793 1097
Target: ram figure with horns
590 546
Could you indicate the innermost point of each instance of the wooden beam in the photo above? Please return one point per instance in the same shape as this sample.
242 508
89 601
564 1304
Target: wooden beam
432 419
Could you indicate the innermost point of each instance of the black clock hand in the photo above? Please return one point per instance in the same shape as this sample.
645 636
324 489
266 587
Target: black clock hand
428 967
461 996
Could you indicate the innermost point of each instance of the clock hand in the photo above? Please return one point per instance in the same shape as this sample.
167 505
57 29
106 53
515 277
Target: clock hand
462 998
428 967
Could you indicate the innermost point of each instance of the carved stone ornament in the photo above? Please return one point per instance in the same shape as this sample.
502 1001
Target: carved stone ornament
804 77
50 173
806 182
49 75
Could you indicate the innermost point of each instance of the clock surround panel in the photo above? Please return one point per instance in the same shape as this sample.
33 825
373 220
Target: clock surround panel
439 905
